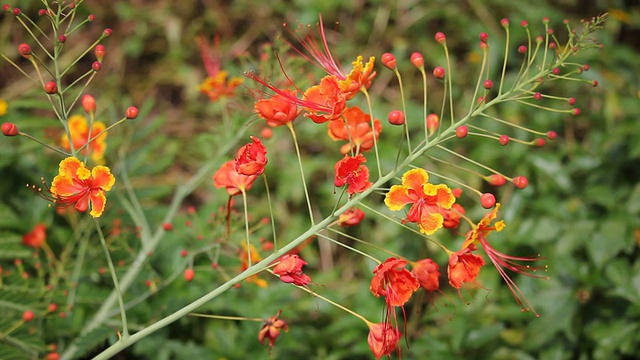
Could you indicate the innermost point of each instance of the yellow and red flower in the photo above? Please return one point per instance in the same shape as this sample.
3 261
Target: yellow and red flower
427 272
272 328
325 101
79 131
255 258
394 282
251 159
289 269
76 184
36 237
383 339
464 267
356 129
216 84
235 183
350 171
427 200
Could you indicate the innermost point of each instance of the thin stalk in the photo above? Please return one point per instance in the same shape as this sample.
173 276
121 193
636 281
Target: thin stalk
304 182
246 225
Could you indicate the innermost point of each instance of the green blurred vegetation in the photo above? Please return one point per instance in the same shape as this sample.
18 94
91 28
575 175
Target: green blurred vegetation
581 209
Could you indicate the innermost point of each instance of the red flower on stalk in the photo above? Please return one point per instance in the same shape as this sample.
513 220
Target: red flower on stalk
356 129
279 109
290 270
351 217
319 54
230 179
36 237
350 171
394 282
272 328
427 272
383 339
452 216
251 158
503 261
215 85
464 267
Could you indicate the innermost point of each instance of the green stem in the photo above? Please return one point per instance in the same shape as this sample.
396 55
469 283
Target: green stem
246 225
304 183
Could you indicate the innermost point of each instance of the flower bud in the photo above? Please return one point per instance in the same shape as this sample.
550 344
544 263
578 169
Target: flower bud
50 87
9 129
189 274
433 121
488 84
91 18
28 316
487 200
16 11
396 117
107 32
462 131
522 49
388 60
6 8
524 24
504 140
99 52
88 103
24 50
96 66
539 142
484 37
440 37
496 180
42 12
504 22
62 39
439 72
520 182
417 60
552 135
132 112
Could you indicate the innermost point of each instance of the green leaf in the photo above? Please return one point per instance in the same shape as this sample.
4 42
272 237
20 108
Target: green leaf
610 239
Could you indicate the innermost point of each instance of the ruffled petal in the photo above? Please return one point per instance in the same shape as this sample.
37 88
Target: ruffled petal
398 197
102 178
98 201
69 167
441 194
64 187
414 179
430 222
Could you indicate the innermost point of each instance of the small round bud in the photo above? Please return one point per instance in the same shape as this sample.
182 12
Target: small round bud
184 253
522 49
462 131
96 66
53 307
53 355
539 142
552 135
550 31
50 87
440 37
99 52
576 111
457 192
520 182
24 49
539 39
28 316
42 12
6 8
388 60
594 83
433 121
571 101
555 71
545 20
88 103
524 24
553 45
167 226
396 117
189 274
266 133
484 37
504 140
91 17
132 112
107 32
586 67
496 180
483 45
439 72
487 200
62 39
537 96
504 22
72 5
488 84
417 60
9 129
16 11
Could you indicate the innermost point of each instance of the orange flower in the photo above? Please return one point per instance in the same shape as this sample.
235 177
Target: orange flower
503 261
79 130
215 85
356 129
452 216
36 237
290 270
350 217
317 47
244 264
75 184
251 158
350 171
279 109
427 272
464 267
383 339
234 182
272 328
427 200
326 99
394 282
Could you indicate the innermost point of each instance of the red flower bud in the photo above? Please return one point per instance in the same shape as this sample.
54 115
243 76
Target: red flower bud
440 37
484 37
88 103
522 49
132 112
433 121
524 23
96 66
504 140
16 11
496 180
537 96
539 142
551 135
417 60
571 101
24 50
439 72
6 8
396 117
189 274
462 131
62 39
488 84
487 200
504 22
457 192
576 111
28 316
388 60
107 32
9 129
50 87
91 17
99 52
42 12
520 182
167 226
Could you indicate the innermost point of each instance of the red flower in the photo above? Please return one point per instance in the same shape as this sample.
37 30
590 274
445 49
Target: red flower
351 217
427 272
326 99
271 329
394 282
36 237
279 109
464 267
251 158
383 339
350 171
356 129
452 216
234 182
75 184
290 270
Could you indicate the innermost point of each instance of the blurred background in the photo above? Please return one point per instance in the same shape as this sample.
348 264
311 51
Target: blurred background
580 210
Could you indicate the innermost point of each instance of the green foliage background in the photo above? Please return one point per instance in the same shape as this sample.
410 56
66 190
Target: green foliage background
580 210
